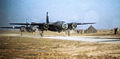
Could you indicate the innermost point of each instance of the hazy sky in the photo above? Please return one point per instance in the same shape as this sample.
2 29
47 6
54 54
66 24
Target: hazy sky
106 13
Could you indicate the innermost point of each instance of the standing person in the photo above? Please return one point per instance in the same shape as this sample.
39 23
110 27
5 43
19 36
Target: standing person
116 30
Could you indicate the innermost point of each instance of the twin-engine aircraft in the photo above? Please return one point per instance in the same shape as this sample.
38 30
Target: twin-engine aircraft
58 26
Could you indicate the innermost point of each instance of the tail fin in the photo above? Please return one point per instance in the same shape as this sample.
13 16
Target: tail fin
47 18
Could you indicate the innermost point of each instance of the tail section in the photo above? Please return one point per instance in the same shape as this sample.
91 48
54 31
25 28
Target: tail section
47 18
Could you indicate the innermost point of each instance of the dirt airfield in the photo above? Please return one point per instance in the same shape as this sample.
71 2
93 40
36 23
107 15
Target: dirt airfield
21 47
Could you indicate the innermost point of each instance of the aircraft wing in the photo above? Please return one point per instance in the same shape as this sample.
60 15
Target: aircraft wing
10 27
26 23
19 23
84 23
37 23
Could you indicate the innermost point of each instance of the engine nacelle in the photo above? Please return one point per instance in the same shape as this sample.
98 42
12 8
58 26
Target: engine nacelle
34 28
22 29
74 25
65 26
45 26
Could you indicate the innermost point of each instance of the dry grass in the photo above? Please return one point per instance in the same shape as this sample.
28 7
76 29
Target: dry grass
25 47
34 47
34 33
22 46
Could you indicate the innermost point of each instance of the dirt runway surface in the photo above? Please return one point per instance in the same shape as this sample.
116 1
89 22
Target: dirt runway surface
87 38
103 39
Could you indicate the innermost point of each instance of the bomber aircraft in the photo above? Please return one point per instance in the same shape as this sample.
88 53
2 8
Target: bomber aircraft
58 26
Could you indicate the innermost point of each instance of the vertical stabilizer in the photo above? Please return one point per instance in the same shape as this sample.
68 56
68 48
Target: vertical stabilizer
47 18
